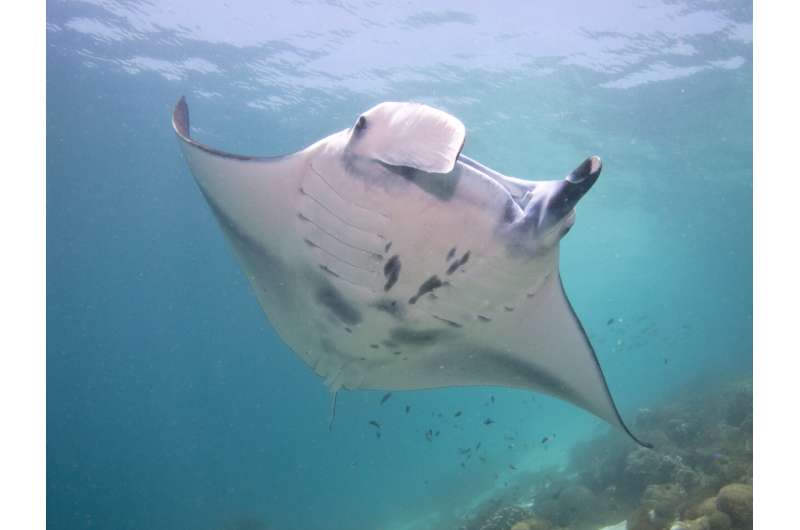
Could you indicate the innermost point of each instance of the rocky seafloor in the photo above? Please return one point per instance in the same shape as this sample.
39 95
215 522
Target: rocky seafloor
698 477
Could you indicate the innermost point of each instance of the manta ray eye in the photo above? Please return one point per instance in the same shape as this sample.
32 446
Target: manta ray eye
361 124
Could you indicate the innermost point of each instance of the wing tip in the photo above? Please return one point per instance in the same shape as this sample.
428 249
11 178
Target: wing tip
646 445
180 118
618 416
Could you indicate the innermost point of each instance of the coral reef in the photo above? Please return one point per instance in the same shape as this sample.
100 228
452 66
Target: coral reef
699 477
736 500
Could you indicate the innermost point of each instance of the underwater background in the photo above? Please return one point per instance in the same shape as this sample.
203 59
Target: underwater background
171 402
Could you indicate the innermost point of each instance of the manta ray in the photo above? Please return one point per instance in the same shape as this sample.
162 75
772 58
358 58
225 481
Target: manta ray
387 259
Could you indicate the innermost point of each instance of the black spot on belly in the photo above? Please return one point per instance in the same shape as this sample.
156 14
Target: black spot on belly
458 263
329 271
427 286
332 299
390 307
414 337
451 253
392 271
448 322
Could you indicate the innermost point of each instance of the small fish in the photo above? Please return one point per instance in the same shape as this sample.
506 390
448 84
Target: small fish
491 398
544 440
375 424
436 433
508 438
386 397
511 466
488 421
666 361
482 459
462 464
611 321
408 409
511 446
429 435
478 446
377 434
457 414
464 451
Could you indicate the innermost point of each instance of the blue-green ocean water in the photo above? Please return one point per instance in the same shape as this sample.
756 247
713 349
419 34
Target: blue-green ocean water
172 404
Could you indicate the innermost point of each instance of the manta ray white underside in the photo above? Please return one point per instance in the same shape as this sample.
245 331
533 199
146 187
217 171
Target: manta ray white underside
386 259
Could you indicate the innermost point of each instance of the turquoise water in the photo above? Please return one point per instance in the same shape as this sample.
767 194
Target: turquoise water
171 403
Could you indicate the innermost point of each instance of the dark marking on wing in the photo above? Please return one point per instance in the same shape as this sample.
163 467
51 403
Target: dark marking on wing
427 286
392 271
332 299
509 212
405 335
448 322
450 254
484 319
458 263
